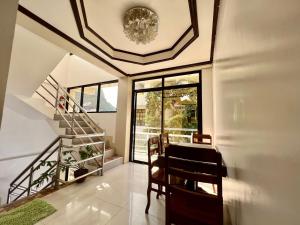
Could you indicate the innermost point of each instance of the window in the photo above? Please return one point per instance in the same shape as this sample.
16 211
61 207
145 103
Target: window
108 97
100 97
76 95
148 84
90 98
182 80
170 103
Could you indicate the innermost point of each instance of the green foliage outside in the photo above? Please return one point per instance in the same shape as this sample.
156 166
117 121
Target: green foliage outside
181 105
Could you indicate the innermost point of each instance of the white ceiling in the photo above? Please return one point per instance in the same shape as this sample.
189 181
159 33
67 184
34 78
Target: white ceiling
106 18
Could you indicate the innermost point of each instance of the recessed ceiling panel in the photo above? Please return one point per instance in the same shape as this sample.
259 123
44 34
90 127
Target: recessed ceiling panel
106 18
104 30
55 21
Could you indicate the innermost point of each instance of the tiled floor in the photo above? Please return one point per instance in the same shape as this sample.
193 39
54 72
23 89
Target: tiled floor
117 198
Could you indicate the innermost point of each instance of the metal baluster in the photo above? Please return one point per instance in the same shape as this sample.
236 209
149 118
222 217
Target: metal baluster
57 100
30 181
103 155
8 196
67 173
65 102
73 117
57 176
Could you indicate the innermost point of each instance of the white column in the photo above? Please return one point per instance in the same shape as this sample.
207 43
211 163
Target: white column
8 12
122 135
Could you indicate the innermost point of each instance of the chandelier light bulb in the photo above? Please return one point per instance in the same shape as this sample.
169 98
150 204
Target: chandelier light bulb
140 25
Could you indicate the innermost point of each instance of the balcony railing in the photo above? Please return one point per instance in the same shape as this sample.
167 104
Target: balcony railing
143 133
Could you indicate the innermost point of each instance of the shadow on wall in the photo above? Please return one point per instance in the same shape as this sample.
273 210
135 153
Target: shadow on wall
252 192
24 131
257 123
17 105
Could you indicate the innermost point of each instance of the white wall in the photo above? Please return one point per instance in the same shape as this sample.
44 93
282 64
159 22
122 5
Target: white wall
8 12
33 58
74 71
106 121
207 102
257 108
24 131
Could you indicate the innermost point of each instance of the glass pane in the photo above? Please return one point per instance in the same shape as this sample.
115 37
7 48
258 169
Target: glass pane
148 122
184 79
90 95
180 114
108 97
75 94
148 84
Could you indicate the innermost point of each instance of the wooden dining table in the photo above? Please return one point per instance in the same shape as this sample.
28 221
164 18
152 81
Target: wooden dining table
161 158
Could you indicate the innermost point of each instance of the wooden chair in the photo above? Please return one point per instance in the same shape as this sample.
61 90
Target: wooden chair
157 177
164 141
202 139
193 207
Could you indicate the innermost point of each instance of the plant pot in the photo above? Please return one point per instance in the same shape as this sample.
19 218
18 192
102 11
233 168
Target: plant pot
80 172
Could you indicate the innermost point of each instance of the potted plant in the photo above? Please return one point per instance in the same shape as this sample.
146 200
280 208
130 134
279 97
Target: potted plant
69 158
85 153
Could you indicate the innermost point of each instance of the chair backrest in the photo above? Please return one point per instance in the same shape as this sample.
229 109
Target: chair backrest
194 164
154 148
164 141
202 138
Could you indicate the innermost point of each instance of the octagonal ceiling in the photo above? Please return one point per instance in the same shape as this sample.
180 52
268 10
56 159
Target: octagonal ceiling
101 14
190 24
92 27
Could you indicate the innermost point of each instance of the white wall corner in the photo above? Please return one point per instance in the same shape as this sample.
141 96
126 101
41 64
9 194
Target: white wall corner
122 135
8 12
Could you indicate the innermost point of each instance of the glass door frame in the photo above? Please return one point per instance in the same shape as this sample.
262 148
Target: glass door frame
162 89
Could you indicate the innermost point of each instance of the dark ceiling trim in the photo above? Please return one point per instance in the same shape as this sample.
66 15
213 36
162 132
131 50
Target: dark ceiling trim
212 48
192 15
194 27
171 68
214 29
66 37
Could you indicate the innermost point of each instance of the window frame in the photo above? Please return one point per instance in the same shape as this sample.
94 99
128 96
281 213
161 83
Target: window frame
163 88
98 95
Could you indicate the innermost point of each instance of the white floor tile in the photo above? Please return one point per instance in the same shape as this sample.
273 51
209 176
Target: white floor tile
119 197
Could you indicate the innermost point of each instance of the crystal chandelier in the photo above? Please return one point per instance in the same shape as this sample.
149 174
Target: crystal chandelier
140 25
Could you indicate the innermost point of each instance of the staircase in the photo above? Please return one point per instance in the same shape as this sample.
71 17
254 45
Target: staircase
82 146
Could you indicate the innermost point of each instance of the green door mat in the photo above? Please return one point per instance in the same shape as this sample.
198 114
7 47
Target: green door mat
27 214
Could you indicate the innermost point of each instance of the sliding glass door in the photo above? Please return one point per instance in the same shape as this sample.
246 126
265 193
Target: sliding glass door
147 121
180 114
170 104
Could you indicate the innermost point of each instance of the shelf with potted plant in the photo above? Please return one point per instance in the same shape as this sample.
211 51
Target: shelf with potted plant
68 161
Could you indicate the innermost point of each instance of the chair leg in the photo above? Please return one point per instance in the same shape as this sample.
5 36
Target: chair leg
148 198
159 191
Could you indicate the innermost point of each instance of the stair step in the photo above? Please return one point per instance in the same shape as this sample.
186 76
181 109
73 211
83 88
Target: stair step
85 144
112 162
78 130
67 117
76 141
64 124
109 152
